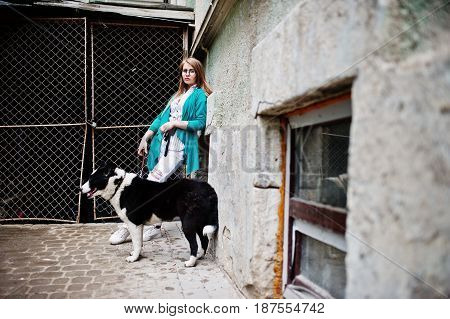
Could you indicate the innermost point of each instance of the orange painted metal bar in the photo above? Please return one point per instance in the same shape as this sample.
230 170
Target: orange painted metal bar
278 265
319 105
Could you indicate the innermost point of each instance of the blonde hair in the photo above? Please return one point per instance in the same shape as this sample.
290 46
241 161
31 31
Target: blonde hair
199 76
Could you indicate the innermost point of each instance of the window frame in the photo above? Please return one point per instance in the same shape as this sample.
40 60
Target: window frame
322 222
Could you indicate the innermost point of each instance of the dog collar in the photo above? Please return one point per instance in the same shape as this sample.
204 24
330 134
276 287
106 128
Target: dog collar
119 182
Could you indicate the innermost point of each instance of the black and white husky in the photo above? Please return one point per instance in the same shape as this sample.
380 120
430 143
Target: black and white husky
136 199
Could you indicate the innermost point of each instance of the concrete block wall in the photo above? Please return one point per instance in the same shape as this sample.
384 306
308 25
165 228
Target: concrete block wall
274 56
399 225
242 148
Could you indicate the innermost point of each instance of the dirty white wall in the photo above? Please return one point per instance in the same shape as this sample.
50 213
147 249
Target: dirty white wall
248 215
272 56
399 223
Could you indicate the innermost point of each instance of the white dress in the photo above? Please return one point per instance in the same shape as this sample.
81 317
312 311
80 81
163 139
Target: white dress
167 165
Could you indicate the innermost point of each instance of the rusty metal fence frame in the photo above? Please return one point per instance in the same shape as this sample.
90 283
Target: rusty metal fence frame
91 130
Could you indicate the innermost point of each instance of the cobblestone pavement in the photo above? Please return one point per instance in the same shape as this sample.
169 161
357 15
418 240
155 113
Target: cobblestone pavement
77 261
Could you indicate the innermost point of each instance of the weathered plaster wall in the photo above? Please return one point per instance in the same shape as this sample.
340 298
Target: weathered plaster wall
400 179
201 9
273 56
398 224
239 153
314 47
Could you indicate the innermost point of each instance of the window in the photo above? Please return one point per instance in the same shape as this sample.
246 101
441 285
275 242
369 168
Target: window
319 143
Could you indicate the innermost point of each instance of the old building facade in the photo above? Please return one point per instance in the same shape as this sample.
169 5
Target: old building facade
373 73
328 128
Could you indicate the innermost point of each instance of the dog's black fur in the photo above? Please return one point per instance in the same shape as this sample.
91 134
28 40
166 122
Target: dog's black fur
193 201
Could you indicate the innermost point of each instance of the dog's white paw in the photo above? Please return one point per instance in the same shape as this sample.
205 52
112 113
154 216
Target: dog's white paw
132 258
190 262
200 253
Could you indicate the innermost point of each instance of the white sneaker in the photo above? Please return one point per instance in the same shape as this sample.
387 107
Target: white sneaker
119 236
151 232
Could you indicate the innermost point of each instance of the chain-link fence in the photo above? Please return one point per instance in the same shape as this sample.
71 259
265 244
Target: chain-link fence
42 72
42 98
58 77
41 168
135 71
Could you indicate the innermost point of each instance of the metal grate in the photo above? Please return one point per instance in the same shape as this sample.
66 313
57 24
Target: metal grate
41 168
42 103
135 72
321 159
44 115
118 146
42 72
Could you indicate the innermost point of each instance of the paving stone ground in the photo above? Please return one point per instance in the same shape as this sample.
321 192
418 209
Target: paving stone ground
76 261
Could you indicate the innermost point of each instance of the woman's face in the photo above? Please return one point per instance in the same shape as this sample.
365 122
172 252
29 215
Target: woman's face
188 74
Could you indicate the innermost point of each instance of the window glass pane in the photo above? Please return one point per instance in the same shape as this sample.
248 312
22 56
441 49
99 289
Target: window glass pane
324 265
320 162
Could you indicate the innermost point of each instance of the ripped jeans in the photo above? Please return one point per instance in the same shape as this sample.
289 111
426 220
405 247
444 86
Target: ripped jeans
166 166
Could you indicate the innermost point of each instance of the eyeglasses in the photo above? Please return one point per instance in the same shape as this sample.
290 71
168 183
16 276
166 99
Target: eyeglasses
190 71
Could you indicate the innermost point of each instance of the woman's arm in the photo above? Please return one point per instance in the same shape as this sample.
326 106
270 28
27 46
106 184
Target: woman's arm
199 121
170 125
142 149
156 124
149 134
195 124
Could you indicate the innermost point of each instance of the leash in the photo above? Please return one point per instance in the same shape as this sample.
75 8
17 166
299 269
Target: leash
167 137
141 174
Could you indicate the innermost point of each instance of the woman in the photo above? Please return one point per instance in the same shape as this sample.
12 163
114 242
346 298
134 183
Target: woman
174 134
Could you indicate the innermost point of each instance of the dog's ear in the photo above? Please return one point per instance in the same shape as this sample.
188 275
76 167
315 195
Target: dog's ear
101 164
110 165
105 164
110 168
106 167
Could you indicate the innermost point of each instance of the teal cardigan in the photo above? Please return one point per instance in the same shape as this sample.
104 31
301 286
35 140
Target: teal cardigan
194 111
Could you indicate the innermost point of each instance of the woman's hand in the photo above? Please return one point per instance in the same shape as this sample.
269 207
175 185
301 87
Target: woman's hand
167 126
142 149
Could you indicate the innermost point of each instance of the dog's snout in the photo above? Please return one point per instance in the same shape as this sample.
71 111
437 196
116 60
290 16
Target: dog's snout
85 188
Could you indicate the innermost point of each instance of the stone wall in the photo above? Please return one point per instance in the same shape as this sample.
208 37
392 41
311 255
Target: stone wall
274 56
241 149
399 225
